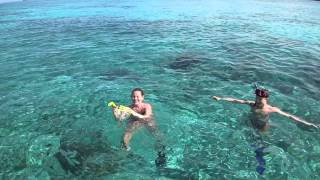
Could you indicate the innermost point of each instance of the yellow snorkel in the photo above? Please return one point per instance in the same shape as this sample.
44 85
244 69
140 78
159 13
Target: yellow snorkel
122 112
112 104
120 107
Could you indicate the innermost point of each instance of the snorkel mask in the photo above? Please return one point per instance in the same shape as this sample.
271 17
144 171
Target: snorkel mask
263 93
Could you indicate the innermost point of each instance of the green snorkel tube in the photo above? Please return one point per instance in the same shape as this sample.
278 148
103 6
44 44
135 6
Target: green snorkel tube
255 86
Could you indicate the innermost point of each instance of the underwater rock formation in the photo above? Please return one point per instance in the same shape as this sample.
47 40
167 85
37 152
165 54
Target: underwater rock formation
84 160
42 148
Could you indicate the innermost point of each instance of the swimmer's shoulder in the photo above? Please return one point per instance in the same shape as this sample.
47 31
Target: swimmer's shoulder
147 106
272 109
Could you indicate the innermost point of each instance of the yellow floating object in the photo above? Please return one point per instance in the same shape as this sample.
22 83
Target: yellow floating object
120 107
112 104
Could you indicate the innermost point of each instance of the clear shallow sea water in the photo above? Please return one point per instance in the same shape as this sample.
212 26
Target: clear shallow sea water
60 62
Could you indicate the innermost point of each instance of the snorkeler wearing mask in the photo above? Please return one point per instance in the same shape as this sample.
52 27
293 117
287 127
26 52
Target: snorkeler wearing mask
259 117
261 109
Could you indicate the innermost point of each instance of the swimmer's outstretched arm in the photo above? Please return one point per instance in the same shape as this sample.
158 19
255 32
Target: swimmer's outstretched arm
233 100
146 117
294 118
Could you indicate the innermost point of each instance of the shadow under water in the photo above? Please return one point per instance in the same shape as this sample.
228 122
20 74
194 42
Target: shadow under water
184 63
84 160
118 73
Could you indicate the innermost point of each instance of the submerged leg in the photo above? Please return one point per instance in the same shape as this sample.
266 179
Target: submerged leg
131 127
161 160
261 161
265 127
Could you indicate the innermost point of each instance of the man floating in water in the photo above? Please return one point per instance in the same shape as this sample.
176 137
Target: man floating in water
259 119
261 109
140 116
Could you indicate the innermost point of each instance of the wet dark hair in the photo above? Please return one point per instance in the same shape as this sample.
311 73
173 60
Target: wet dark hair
137 89
262 93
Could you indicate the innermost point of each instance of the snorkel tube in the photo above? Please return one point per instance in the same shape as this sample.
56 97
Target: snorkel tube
255 86
112 104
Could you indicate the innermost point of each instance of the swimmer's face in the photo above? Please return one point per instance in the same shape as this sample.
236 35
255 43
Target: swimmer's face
262 100
137 97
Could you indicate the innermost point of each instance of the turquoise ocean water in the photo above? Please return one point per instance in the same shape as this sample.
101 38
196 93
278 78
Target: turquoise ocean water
61 61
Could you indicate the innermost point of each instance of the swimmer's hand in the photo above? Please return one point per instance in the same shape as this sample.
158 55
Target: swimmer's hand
125 109
144 118
120 112
314 125
309 126
135 114
216 98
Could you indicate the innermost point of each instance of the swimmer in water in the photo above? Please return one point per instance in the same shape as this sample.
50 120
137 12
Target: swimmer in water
261 109
141 116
